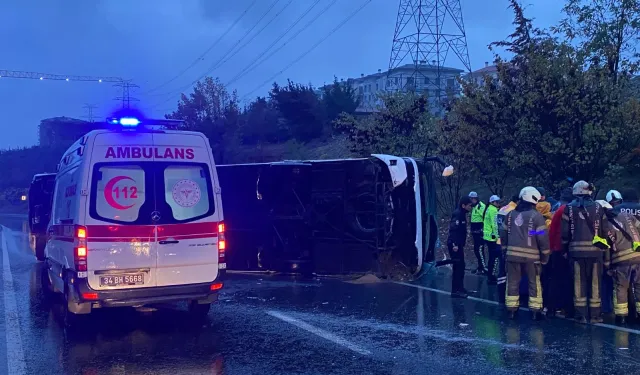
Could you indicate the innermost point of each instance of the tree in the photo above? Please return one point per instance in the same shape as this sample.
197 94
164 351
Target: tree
339 97
300 109
212 110
403 127
607 32
547 118
261 123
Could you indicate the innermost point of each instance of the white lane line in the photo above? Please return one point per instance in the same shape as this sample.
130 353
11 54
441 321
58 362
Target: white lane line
603 325
15 351
319 332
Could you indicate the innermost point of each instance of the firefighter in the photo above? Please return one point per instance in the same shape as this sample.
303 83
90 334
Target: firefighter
524 234
622 229
490 236
455 244
585 239
502 213
476 232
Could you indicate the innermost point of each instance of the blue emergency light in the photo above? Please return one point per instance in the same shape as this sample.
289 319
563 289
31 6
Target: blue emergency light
128 122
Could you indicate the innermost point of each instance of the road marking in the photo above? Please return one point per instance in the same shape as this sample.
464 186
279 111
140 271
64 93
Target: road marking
15 351
603 325
319 332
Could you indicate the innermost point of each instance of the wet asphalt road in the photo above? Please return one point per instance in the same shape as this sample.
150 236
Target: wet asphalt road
283 325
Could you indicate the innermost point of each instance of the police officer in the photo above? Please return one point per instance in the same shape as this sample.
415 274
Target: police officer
584 237
524 234
455 244
622 230
477 215
490 236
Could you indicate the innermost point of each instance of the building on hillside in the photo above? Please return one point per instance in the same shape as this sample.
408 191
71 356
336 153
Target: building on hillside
63 131
477 76
369 87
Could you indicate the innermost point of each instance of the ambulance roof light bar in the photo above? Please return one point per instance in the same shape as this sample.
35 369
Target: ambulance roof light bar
130 122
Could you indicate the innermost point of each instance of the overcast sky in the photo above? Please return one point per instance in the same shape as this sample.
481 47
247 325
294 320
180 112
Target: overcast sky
152 41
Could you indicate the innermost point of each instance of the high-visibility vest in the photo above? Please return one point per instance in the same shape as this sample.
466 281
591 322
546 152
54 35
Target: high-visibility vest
477 213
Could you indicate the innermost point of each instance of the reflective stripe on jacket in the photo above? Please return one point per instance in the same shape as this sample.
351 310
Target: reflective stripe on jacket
490 227
524 234
582 228
477 212
623 248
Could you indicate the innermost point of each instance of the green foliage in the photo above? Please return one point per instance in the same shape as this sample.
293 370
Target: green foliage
339 98
212 110
549 116
301 110
607 31
403 126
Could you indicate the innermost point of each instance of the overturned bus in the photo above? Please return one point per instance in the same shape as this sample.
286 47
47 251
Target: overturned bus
375 214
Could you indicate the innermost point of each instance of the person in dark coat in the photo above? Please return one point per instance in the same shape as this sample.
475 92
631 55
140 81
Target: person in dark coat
455 244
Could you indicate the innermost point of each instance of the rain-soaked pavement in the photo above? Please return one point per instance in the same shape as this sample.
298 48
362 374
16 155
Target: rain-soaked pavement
282 325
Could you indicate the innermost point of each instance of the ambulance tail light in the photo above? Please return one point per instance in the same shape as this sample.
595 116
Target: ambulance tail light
222 246
80 250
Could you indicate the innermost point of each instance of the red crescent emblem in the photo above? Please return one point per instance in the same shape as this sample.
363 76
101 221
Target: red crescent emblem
108 193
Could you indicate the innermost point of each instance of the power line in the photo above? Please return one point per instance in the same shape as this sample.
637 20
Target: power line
253 65
201 57
218 63
278 39
262 54
353 14
56 77
89 108
126 97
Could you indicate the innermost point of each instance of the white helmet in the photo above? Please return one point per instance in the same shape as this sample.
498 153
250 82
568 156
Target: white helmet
613 195
473 194
581 188
494 198
530 194
604 204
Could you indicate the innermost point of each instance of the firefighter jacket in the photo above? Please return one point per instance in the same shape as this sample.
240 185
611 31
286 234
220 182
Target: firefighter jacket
502 213
622 230
490 227
524 235
477 213
582 229
545 210
458 228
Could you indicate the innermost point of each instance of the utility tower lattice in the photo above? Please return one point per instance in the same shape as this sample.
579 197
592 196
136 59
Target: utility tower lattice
126 97
89 108
427 33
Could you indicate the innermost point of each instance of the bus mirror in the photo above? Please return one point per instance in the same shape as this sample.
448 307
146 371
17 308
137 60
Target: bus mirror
448 171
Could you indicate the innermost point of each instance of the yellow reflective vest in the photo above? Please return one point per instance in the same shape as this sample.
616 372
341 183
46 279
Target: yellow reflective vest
477 212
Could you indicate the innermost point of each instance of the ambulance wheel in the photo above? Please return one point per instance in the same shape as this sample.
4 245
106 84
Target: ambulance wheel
199 311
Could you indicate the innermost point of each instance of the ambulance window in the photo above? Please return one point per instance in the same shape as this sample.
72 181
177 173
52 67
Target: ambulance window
187 190
66 196
119 192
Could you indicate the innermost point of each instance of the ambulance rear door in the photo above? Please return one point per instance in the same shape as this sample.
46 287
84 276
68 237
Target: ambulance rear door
187 247
121 235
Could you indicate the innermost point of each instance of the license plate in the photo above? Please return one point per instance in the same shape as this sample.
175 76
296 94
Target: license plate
118 280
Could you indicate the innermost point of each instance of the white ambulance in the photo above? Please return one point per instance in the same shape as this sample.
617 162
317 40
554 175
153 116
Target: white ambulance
136 220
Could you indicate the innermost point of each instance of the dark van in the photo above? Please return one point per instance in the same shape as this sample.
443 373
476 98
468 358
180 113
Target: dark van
40 194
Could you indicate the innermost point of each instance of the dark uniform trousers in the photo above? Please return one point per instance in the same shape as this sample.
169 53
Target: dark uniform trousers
478 244
515 272
625 275
587 273
457 277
